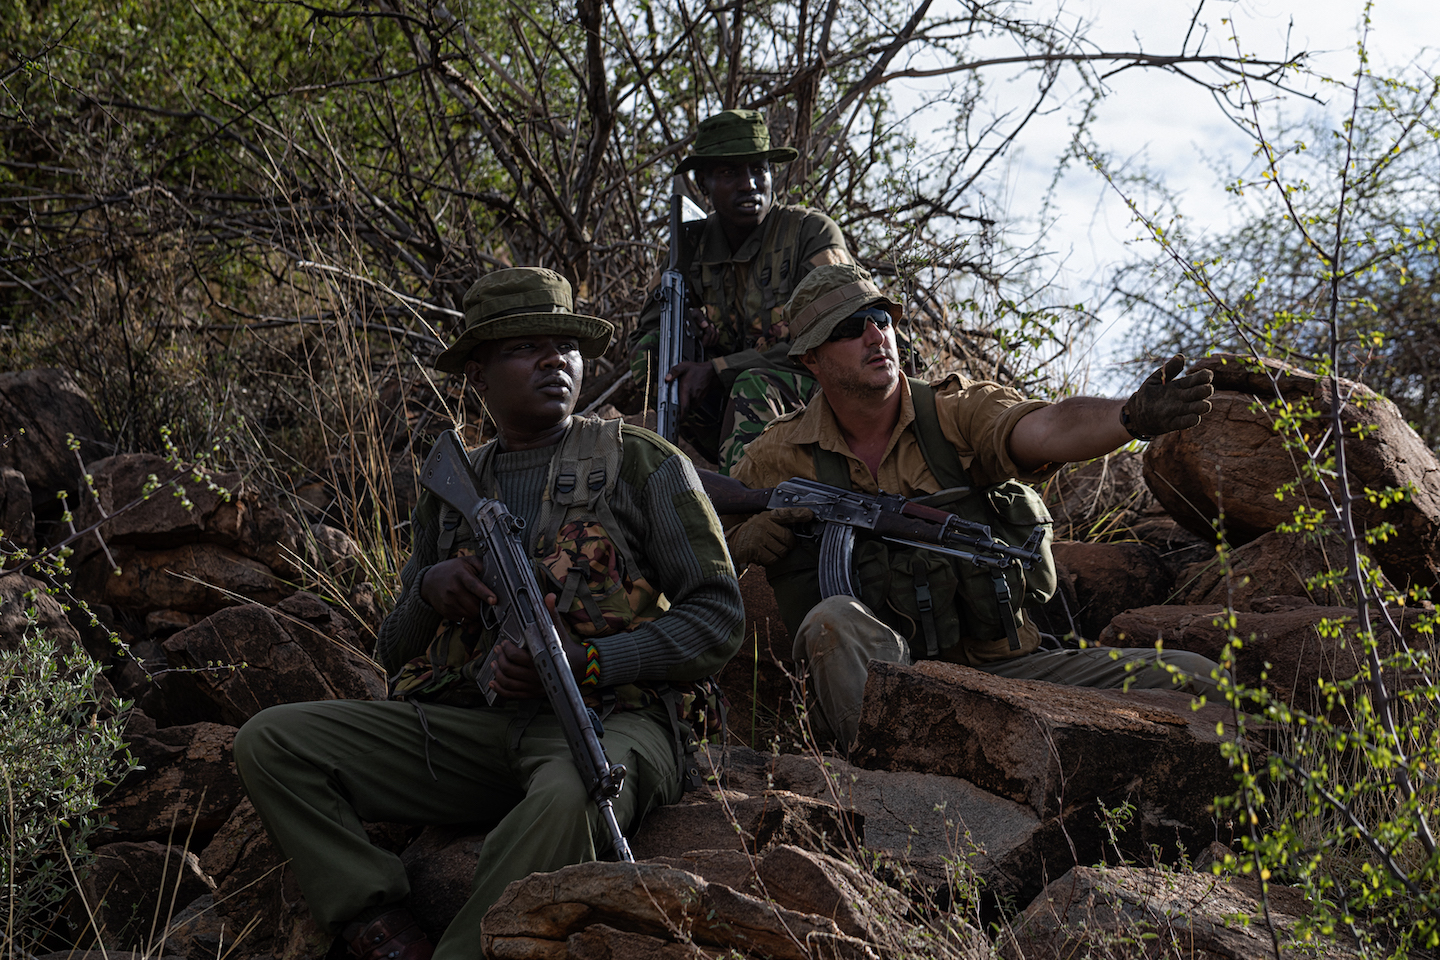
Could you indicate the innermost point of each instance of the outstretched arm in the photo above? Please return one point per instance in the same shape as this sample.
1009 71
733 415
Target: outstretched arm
1082 428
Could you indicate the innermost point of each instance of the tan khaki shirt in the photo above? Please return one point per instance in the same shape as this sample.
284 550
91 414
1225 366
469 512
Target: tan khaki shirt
976 416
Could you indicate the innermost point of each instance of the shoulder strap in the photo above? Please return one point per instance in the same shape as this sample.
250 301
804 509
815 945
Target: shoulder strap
940 455
830 467
782 254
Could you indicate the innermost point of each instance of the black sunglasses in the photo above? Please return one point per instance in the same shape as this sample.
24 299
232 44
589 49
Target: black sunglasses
854 325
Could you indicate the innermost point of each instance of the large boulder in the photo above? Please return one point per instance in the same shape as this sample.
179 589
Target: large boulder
233 664
730 820
1109 578
1235 461
26 605
537 916
132 888
187 507
1283 648
800 879
187 781
1059 750
196 578
39 409
1120 913
257 899
1274 564
183 541
17 511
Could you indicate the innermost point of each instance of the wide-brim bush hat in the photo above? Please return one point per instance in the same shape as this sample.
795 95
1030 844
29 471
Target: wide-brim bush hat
828 295
523 300
734 135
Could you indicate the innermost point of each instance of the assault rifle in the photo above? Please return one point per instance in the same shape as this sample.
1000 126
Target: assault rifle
892 518
521 618
678 342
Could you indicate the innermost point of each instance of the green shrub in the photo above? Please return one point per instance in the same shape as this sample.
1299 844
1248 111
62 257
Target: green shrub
58 752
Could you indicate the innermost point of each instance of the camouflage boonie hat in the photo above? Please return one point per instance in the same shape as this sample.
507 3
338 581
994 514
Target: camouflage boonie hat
519 301
828 295
734 135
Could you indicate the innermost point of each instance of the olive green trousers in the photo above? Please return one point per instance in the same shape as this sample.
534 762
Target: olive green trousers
840 636
315 771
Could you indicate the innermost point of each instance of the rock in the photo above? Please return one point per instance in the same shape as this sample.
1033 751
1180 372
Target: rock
601 942
440 863
199 931
760 680
197 578
189 782
19 596
1281 641
218 508
1112 577
256 896
1056 749
47 404
752 824
804 881
191 546
1274 564
1235 461
131 887
1178 546
17 513
919 824
536 916
163 623
1117 913
240 660
339 554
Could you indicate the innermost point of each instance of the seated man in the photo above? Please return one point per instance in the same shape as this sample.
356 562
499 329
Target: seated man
656 608
742 263
870 429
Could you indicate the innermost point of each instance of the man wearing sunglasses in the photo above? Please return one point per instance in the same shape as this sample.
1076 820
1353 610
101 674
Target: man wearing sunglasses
871 429
741 264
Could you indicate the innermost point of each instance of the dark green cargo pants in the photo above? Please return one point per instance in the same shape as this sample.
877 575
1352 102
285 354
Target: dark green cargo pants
316 770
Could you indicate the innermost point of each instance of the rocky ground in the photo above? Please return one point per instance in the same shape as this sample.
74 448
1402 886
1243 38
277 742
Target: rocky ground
967 800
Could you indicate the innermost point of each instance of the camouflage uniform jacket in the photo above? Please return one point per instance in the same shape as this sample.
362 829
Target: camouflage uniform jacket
675 552
745 291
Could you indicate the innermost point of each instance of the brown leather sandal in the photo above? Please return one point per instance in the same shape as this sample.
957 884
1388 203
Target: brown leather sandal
394 935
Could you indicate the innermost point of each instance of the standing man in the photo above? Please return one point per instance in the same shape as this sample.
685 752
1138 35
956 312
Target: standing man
742 263
870 429
649 605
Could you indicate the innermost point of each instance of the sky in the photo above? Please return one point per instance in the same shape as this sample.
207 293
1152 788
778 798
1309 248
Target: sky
1175 129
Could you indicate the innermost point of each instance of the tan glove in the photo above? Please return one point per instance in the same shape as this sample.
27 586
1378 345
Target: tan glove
1164 404
766 537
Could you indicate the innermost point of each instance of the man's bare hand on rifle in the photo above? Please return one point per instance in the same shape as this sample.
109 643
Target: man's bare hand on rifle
515 675
455 589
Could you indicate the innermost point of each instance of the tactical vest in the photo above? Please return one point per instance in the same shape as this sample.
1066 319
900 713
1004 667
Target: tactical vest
746 301
598 586
946 608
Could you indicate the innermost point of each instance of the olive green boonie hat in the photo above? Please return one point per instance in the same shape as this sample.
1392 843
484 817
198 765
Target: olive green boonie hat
518 301
734 135
826 296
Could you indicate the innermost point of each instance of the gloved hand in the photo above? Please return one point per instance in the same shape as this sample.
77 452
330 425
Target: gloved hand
1164 404
766 537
